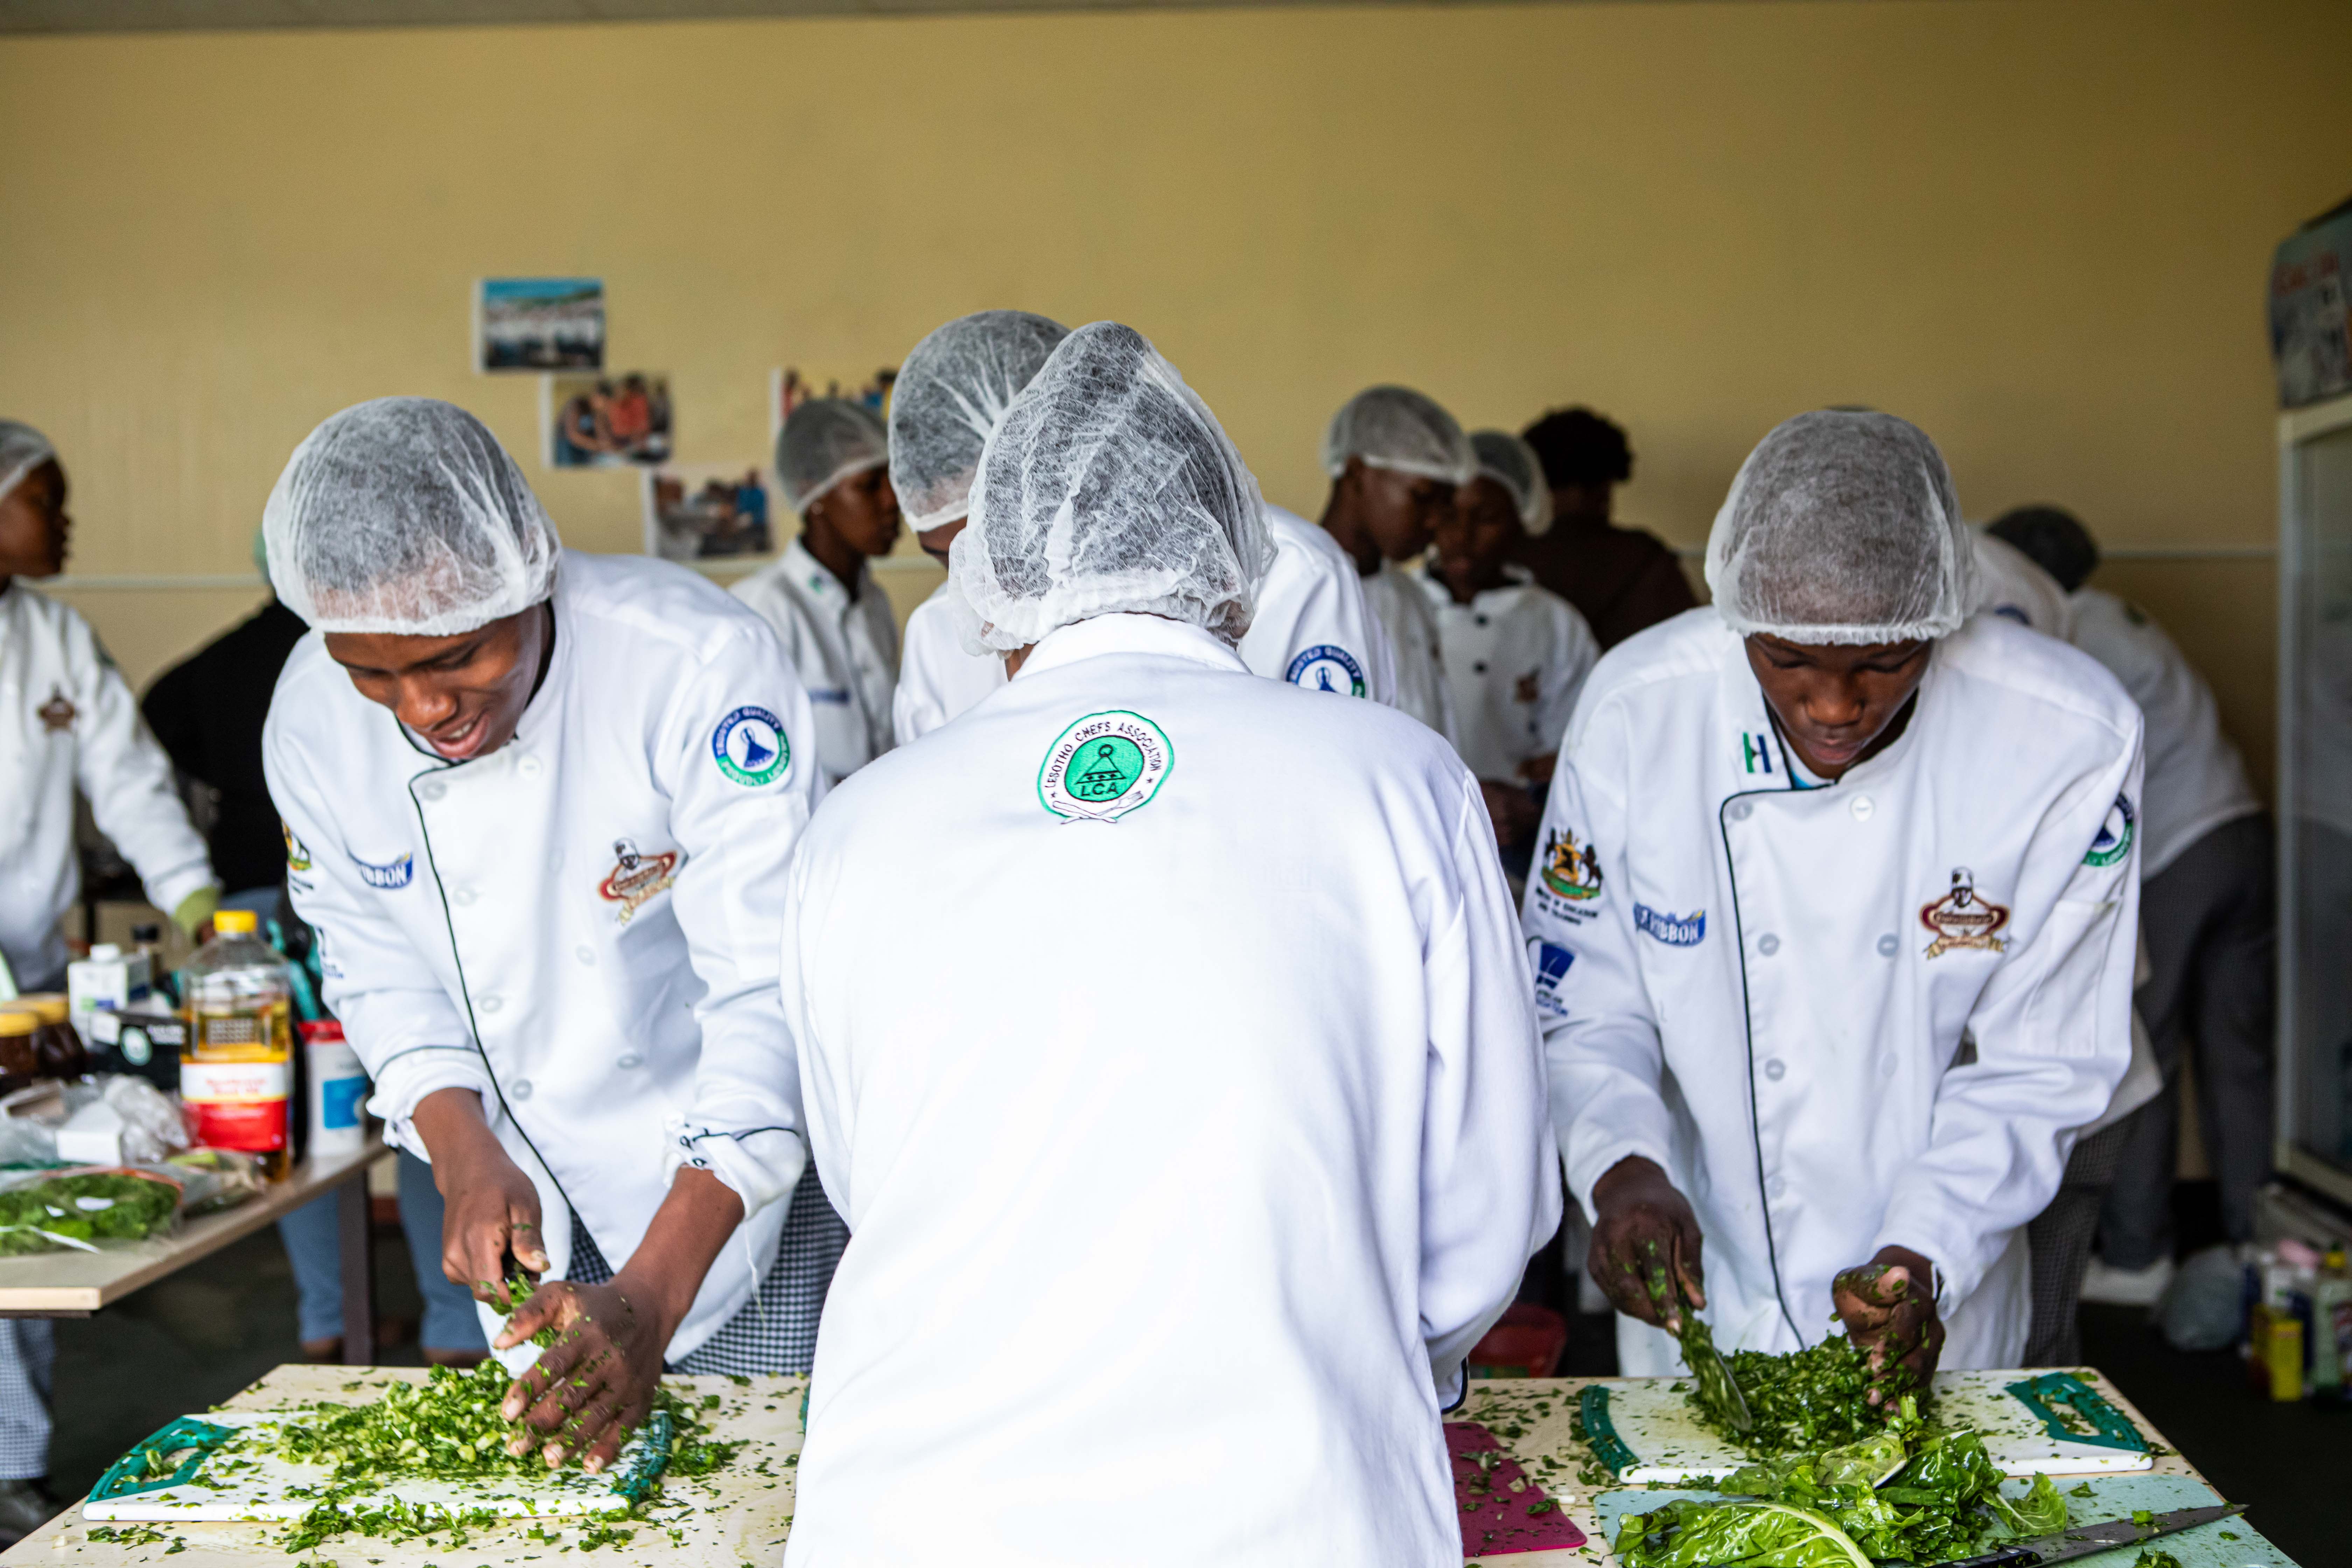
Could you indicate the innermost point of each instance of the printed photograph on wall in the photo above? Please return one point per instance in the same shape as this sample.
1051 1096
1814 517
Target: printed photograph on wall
790 386
606 421
709 511
539 324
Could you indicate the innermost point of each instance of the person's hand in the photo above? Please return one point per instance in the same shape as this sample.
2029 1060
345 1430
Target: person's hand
1513 811
1888 1307
1642 1224
491 1209
594 1384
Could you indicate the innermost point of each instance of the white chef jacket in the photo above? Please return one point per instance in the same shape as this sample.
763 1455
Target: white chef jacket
582 926
1312 627
846 651
1764 988
1405 614
1515 659
2012 585
2196 779
1183 1178
67 719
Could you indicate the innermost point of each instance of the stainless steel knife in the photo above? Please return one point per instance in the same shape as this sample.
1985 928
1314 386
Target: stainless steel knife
2082 1540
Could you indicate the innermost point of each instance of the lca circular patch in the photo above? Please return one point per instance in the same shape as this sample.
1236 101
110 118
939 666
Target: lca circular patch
750 747
1104 767
1327 667
2114 839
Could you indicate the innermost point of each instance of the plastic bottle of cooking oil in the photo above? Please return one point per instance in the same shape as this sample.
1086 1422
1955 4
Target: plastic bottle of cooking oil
236 1070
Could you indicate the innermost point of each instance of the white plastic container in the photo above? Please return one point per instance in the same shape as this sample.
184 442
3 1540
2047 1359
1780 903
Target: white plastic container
109 980
339 1089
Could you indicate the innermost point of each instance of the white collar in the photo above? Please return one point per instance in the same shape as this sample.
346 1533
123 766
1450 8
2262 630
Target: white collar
817 577
1127 633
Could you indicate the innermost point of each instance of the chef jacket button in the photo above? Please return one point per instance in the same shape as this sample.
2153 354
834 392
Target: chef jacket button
1478 667
585 955
631 1061
1776 1070
1886 1064
528 767
462 896
1886 945
1775 1187
1739 810
519 1089
1768 945
490 1003
1862 809
1480 619
433 789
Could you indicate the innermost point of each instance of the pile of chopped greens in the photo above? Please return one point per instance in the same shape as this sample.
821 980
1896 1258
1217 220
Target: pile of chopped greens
81 1207
1901 1495
1809 1400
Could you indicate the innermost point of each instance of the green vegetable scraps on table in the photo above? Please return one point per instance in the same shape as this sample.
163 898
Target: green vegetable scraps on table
2155 1559
91 1206
1822 1510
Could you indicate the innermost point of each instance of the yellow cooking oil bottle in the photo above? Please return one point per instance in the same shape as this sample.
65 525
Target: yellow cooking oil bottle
236 1070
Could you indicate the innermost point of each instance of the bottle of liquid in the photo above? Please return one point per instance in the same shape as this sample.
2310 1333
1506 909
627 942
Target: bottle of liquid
236 1070
2331 1327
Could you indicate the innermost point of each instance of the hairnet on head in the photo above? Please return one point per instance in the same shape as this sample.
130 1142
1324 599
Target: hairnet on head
825 441
2055 538
1843 527
22 450
406 515
1511 463
1397 427
948 396
1109 487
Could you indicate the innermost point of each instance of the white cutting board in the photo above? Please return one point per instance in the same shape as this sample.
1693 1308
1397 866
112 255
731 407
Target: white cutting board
1664 1441
248 1484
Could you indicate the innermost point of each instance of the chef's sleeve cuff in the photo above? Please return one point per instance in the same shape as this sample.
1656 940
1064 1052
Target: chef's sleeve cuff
403 1083
1586 1168
192 911
761 1166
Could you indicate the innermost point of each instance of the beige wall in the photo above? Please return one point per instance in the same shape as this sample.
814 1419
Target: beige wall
2039 229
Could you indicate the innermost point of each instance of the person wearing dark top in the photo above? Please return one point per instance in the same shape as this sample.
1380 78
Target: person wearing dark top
1620 579
208 712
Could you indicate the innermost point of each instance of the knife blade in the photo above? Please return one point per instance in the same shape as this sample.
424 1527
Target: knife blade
2083 1540
1708 1366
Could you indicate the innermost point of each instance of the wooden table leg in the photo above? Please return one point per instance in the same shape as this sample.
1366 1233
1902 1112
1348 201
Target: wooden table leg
358 1271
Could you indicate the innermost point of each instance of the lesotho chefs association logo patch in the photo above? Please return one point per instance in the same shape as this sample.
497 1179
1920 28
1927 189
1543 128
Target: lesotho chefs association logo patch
1104 767
1963 918
637 876
1327 667
1571 869
750 747
2114 839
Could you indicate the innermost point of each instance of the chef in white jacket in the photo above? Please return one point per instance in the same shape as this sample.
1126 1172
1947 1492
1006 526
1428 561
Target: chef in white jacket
1187 1176
537 806
1833 924
1395 459
1313 627
832 462
68 721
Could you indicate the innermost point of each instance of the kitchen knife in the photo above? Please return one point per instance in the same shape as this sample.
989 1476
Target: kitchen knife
2082 1540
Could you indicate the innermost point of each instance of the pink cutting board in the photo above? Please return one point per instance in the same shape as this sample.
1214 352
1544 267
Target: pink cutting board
1497 1520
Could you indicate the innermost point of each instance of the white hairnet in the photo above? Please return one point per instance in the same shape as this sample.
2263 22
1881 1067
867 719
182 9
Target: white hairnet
22 450
950 394
1512 463
1108 487
825 441
406 515
1397 427
1843 527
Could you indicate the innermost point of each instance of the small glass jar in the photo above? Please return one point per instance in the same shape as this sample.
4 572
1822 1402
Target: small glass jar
57 1047
20 1061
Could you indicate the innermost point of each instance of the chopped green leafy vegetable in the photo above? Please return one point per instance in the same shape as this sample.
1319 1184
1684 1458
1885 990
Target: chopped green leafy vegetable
84 1206
2152 1558
1809 1400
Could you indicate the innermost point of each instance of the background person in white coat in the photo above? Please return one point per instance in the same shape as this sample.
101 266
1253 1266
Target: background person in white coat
1313 627
66 720
1395 459
1515 654
2208 911
1191 1172
539 806
1825 985
832 462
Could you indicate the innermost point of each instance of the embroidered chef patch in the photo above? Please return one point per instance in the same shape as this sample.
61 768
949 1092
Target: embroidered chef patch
1551 963
1675 931
1756 750
2114 839
298 854
56 714
392 874
1571 869
1327 667
635 878
750 747
1104 767
1961 919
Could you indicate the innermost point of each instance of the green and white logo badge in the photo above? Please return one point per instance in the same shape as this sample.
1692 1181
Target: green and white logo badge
2114 839
1104 767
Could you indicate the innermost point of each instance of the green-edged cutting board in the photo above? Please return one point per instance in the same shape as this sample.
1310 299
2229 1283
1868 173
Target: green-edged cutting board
201 1467
2112 1496
1657 1437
